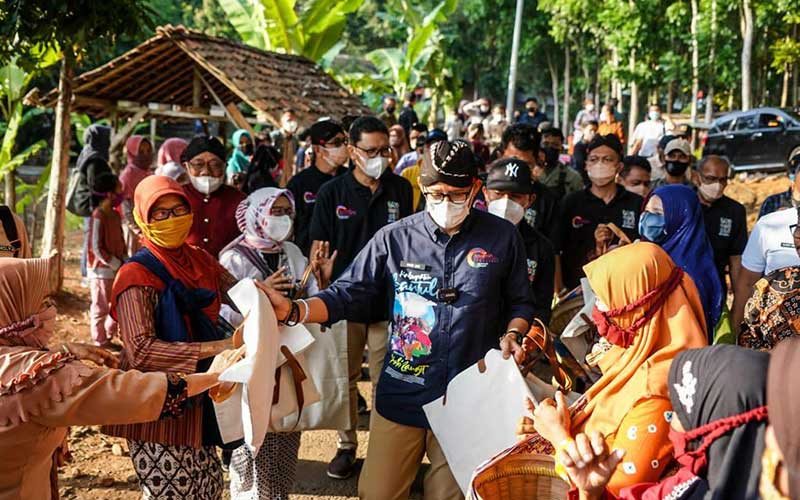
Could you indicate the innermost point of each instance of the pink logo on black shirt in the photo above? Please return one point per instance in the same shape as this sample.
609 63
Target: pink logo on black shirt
309 197
344 213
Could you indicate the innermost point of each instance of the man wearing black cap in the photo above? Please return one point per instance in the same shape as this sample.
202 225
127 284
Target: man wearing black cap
349 210
329 141
583 233
213 203
508 192
459 284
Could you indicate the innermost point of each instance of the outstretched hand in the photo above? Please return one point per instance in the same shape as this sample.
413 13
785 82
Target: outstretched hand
322 263
589 463
96 355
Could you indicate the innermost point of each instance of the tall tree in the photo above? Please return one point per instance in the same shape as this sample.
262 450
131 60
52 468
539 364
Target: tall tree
747 53
74 27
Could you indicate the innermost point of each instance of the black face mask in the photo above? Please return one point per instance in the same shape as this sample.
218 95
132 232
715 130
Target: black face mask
550 156
676 168
247 149
531 111
390 109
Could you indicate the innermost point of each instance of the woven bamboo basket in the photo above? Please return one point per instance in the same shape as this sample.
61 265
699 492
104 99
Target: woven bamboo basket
521 477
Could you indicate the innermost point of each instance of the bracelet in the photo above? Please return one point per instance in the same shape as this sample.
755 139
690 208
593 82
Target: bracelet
518 336
294 315
307 310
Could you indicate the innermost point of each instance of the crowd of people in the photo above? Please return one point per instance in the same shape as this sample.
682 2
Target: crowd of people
434 246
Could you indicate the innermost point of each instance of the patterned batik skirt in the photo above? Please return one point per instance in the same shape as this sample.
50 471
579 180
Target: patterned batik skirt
773 312
177 472
270 474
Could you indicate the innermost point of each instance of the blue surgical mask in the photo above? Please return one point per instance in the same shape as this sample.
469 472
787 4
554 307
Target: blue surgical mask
651 227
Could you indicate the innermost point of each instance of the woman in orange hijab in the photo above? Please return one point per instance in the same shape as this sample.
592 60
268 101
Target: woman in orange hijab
166 299
647 311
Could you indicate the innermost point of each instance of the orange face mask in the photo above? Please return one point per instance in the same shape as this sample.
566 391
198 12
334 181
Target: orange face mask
168 233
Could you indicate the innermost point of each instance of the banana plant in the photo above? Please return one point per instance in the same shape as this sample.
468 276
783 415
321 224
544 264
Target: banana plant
276 25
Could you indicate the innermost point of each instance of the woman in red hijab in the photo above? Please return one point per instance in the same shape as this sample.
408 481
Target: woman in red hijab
139 154
166 299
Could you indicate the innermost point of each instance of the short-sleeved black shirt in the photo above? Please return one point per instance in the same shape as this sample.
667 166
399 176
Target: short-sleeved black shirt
541 264
581 213
726 225
304 187
347 213
543 214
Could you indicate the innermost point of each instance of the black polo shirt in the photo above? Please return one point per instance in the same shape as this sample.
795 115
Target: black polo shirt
581 213
541 265
543 214
726 225
348 214
304 187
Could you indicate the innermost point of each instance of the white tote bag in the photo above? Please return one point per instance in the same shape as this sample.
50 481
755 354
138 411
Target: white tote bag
325 364
478 415
248 411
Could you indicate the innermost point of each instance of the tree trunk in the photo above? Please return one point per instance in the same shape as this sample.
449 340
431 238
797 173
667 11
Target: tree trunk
712 55
616 85
553 87
565 111
10 190
670 96
785 86
634 108
53 237
747 53
597 103
695 67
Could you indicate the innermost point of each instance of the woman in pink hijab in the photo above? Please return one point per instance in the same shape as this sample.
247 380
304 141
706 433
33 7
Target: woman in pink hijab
169 160
139 152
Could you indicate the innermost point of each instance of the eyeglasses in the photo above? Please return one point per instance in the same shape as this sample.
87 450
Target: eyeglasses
456 198
336 143
605 160
794 230
375 152
212 166
166 213
278 211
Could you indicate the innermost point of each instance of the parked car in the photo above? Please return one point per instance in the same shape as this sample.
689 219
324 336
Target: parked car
758 139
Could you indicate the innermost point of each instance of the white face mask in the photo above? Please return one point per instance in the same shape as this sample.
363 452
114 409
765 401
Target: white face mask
206 184
508 209
447 215
335 157
374 167
278 227
712 192
640 189
601 175
290 126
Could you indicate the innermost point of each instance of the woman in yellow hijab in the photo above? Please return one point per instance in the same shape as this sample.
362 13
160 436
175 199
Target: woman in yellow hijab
647 311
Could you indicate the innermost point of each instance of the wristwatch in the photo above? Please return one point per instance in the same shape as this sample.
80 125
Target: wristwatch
518 335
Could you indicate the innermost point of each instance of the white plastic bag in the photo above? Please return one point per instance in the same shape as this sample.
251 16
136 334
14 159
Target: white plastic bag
478 415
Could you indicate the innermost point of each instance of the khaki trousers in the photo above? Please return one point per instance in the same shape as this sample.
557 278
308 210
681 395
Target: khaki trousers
393 457
375 337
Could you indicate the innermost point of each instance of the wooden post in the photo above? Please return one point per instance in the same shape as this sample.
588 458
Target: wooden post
10 188
53 237
197 89
153 125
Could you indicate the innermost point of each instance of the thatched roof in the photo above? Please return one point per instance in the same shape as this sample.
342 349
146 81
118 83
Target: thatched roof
162 70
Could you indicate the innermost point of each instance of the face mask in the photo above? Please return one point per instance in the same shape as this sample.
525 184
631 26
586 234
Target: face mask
278 227
590 108
335 157
375 166
484 110
498 117
390 109
247 149
447 215
168 233
290 126
508 209
206 184
601 175
676 168
551 156
651 227
654 115
640 189
712 192
531 111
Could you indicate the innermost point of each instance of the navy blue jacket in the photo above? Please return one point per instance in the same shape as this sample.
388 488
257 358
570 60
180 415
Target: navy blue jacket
451 299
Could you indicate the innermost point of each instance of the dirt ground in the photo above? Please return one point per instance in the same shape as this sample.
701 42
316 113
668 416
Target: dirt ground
101 467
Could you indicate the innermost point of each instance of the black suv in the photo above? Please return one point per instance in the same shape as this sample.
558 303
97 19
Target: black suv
759 139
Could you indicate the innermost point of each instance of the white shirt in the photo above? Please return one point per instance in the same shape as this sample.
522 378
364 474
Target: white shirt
771 245
650 132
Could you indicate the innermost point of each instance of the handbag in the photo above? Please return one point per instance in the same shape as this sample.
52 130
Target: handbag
538 343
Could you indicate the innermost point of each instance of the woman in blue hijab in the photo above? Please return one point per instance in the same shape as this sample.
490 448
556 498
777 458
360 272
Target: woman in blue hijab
673 219
242 151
